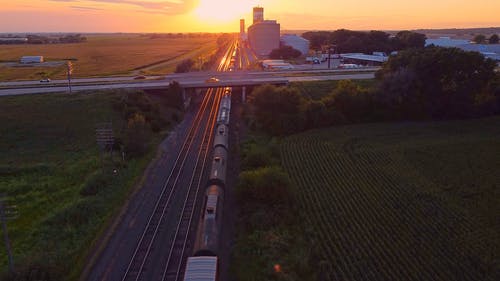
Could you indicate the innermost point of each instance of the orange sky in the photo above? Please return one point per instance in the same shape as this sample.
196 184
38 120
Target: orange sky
223 15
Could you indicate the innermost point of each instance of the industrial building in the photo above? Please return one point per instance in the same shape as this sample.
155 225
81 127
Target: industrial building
258 15
491 51
31 59
263 35
243 34
296 42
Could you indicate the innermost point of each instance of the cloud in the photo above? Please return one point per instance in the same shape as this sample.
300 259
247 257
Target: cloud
160 7
86 8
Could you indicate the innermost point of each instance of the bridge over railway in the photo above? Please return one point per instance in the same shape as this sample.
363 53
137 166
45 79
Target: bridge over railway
186 80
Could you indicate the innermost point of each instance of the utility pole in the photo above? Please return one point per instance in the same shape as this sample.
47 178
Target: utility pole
7 213
331 49
70 71
329 56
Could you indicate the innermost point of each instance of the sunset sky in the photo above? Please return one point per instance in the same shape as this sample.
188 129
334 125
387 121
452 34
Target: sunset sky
224 15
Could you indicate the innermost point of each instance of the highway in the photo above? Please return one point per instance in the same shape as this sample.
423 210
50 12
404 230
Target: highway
189 80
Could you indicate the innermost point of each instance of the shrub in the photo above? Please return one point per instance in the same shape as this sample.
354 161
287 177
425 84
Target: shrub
138 136
268 185
184 66
94 183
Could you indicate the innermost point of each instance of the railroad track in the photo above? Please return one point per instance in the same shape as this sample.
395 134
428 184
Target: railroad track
174 266
143 248
141 256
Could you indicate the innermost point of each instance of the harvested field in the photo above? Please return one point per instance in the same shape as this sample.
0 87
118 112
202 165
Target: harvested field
105 55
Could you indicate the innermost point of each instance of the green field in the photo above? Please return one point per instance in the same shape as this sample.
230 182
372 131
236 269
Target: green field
105 55
401 201
49 154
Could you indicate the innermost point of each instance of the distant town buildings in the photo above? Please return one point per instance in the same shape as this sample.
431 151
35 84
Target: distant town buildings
296 42
31 59
263 35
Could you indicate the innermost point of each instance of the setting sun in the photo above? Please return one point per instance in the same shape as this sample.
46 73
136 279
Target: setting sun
222 11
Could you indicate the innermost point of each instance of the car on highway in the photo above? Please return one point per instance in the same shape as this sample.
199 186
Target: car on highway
140 77
46 80
212 80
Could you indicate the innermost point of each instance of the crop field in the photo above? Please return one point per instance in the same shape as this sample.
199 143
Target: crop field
401 201
105 55
48 155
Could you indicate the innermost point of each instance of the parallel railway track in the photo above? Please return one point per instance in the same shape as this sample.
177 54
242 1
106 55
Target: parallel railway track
141 257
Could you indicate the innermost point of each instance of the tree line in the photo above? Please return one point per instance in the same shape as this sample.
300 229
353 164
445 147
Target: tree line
40 39
481 39
348 41
431 83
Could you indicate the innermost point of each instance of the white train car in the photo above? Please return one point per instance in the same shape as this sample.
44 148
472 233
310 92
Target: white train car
201 269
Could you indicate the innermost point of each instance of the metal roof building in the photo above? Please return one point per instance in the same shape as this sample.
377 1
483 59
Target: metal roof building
491 51
446 42
296 42
364 59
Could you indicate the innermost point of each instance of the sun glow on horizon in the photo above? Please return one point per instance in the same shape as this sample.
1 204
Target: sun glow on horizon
222 11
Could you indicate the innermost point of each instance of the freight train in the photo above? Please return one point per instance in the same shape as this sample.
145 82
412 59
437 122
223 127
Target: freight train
202 266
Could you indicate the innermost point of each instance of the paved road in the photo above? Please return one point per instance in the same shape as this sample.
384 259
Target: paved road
181 76
189 82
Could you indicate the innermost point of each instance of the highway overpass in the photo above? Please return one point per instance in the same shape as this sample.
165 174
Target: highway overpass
186 80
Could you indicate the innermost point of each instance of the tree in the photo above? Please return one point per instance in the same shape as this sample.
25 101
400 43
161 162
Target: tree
408 39
277 109
316 114
479 39
435 82
348 41
317 39
184 66
493 39
350 100
285 52
174 96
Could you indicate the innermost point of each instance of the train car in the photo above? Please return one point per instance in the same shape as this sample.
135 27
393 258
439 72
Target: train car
224 110
221 136
218 171
201 269
223 117
225 102
203 265
209 236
